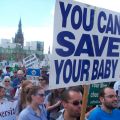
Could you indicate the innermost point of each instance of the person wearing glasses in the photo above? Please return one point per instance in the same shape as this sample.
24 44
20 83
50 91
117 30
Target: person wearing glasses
8 88
36 109
108 108
71 100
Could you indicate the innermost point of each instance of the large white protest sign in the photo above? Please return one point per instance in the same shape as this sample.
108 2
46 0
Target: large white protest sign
86 46
8 110
31 61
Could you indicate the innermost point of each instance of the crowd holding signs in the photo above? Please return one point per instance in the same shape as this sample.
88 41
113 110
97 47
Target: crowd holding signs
85 51
9 108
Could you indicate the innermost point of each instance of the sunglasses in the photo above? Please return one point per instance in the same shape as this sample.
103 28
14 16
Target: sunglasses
41 94
7 81
76 102
111 96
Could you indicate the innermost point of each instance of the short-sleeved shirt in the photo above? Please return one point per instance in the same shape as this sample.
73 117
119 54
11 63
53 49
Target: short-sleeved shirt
99 114
29 114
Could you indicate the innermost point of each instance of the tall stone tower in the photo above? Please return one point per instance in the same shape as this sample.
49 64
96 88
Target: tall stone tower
19 38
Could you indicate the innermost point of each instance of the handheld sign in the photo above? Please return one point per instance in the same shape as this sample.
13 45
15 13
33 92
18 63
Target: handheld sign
30 61
33 74
8 110
86 45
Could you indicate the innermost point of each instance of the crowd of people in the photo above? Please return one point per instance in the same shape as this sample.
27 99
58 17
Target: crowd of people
20 99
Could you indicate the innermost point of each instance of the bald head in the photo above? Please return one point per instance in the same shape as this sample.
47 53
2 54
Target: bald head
20 72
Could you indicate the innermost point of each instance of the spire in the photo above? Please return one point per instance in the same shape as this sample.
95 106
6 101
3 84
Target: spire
20 27
19 38
20 23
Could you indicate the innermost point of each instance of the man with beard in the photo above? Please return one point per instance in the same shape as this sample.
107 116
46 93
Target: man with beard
108 109
71 101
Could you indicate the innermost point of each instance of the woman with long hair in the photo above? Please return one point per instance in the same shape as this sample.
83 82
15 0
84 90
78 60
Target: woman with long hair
35 110
25 86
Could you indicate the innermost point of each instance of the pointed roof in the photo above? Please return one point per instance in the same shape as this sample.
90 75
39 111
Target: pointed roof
19 38
20 26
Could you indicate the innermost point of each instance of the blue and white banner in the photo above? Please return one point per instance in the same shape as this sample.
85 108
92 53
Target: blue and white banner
86 46
33 72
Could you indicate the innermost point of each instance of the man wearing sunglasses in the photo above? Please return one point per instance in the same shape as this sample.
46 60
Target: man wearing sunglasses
71 101
108 109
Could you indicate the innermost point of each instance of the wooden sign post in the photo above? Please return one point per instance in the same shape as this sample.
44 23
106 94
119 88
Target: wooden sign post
84 102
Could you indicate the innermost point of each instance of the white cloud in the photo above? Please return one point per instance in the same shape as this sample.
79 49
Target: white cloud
39 34
7 32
